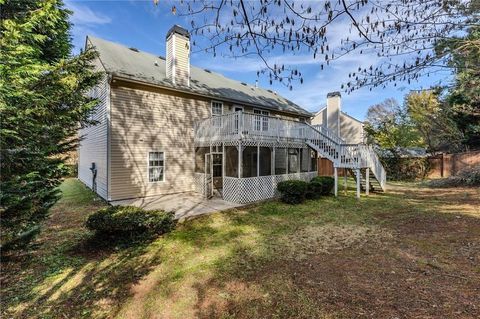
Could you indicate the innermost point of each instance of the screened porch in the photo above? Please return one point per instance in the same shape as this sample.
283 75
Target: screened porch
245 172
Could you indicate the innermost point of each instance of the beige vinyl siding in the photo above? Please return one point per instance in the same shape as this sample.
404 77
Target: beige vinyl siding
230 107
94 145
169 59
320 118
351 130
182 67
333 114
146 119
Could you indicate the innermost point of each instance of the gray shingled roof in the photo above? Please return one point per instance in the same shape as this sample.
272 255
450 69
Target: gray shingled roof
124 62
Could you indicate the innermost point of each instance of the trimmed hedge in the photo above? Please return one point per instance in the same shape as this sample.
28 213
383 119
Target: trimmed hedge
322 185
130 221
293 191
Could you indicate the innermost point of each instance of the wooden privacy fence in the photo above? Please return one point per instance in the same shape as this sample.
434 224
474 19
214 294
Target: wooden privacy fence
442 165
445 165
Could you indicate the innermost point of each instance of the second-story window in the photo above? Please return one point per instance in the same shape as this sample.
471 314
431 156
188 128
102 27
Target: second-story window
217 110
261 120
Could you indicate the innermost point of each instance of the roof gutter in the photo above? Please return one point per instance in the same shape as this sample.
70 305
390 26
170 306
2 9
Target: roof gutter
127 79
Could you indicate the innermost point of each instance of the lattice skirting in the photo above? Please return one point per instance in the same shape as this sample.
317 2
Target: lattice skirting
252 189
199 180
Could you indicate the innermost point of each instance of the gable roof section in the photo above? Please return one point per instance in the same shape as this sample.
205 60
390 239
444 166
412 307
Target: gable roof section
348 115
341 112
133 64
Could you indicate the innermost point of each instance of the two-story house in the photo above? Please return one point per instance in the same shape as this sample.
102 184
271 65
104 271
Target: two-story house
166 127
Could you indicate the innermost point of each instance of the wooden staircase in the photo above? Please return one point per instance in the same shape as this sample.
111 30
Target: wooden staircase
373 182
350 156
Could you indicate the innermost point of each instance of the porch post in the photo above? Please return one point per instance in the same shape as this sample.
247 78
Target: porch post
345 180
211 171
335 174
239 159
367 180
299 160
288 168
359 176
223 164
258 159
309 167
272 169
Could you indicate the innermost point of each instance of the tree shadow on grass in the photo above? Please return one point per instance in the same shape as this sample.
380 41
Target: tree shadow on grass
91 278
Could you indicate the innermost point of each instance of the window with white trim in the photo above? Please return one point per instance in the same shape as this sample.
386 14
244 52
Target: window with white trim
261 120
217 110
156 166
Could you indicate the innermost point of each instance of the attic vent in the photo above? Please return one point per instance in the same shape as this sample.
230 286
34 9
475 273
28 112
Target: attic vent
134 49
270 91
243 83
207 70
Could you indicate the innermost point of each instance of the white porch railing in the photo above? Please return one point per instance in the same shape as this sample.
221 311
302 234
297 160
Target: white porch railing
245 126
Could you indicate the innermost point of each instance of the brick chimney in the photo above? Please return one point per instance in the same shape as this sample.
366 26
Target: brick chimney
333 111
178 56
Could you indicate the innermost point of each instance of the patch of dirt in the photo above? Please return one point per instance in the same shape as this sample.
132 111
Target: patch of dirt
329 239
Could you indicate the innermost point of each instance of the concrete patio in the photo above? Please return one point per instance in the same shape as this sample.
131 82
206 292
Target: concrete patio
185 205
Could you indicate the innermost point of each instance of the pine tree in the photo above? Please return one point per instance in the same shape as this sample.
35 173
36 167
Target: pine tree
43 101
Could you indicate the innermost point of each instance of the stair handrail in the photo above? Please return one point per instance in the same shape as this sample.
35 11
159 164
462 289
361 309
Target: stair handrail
376 166
345 154
326 144
328 132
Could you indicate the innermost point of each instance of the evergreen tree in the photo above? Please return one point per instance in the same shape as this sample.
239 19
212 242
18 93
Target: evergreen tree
43 101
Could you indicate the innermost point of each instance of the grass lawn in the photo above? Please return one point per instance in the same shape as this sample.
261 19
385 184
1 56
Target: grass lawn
412 252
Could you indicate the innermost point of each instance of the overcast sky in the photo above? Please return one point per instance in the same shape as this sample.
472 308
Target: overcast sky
143 25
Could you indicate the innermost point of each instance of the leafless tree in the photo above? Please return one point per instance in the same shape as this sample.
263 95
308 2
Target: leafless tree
401 34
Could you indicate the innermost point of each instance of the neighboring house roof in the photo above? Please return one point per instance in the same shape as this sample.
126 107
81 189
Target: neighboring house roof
134 64
343 113
405 152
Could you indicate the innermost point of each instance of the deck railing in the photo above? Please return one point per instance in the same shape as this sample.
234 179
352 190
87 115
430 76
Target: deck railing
239 125
236 125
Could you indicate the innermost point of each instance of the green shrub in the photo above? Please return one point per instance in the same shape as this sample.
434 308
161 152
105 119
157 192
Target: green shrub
293 191
314 189
130 221
321 185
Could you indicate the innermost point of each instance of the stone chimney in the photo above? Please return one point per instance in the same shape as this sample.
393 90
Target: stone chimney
178 56
333 112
